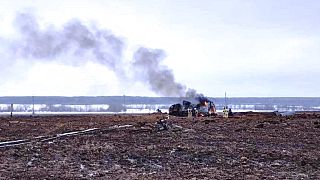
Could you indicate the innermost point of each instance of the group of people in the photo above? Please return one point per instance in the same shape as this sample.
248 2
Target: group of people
227 112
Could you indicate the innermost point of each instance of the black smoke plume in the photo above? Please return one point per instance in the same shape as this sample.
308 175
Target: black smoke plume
147 64
202 99
85 43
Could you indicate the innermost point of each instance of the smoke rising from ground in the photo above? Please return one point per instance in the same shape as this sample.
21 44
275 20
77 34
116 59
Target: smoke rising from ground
147 64
77 40
74 38
158 77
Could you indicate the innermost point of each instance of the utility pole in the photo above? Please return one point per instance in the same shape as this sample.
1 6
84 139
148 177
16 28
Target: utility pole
225 99
124 103
11 109
32 105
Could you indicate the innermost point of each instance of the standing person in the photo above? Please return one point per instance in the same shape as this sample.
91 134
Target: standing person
225 112
230 114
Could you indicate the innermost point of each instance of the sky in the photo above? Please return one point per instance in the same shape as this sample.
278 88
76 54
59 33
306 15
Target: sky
247 48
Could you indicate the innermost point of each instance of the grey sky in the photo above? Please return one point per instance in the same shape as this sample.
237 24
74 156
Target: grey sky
244 47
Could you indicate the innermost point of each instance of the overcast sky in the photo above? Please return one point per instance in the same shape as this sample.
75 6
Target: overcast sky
248 48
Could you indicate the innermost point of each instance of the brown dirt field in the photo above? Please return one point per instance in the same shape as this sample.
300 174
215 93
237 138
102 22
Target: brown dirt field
250 146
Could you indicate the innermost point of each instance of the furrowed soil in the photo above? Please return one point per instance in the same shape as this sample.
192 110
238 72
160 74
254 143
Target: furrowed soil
248 146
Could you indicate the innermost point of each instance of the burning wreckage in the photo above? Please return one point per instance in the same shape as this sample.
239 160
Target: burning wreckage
205 107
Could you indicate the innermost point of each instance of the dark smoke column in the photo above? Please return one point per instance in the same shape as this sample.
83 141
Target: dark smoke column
148 68
75 44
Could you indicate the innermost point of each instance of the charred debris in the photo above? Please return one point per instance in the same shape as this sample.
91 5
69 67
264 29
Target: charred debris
203 108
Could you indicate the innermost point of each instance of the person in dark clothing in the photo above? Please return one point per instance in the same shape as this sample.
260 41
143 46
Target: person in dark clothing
230 114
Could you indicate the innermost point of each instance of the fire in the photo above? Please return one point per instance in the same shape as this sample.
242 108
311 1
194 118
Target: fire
205 103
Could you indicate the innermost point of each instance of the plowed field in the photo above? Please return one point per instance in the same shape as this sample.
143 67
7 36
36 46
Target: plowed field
250 146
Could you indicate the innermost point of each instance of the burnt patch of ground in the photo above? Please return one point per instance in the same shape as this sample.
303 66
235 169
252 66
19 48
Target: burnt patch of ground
133 147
